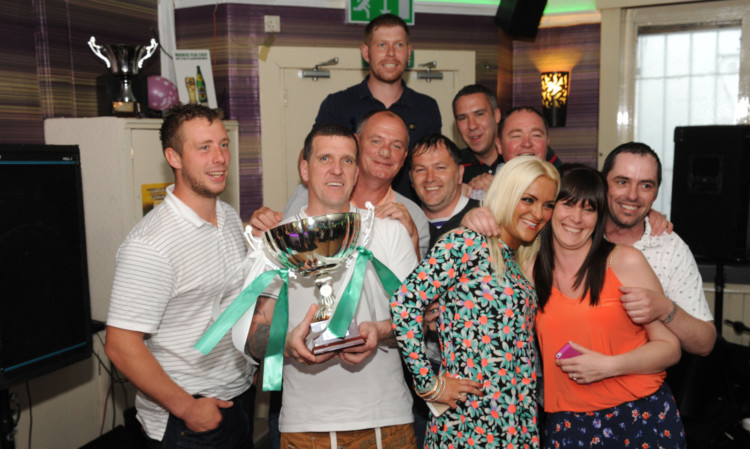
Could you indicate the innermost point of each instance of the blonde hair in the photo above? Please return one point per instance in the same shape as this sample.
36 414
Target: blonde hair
502 197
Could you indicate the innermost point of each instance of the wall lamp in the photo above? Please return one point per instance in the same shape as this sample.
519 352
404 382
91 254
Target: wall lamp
555 89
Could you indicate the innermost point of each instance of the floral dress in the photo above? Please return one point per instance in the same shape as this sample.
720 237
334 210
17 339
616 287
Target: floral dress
486 334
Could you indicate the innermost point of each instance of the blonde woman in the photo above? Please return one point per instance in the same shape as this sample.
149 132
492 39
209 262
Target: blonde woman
486 310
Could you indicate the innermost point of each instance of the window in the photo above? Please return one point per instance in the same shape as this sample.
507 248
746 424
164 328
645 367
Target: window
684 75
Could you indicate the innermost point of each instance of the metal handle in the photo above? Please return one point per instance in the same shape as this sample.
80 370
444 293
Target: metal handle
97 49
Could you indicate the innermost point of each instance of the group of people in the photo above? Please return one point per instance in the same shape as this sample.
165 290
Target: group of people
517 272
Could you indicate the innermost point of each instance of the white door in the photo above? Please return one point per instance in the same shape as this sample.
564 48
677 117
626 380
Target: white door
289 103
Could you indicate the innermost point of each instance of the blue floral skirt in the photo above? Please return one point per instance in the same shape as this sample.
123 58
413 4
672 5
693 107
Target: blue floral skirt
647 423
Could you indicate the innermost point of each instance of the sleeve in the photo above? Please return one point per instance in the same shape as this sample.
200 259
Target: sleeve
685 285
435 126
329 112
434 275
142 288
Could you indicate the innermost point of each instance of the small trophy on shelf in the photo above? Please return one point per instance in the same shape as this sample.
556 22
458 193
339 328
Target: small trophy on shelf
124 62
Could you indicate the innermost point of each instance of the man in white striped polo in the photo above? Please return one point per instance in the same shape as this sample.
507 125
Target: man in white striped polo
172 266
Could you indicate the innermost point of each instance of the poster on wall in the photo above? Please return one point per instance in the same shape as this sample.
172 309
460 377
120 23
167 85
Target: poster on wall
195 80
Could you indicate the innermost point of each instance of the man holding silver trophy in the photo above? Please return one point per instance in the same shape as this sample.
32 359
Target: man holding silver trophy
355 394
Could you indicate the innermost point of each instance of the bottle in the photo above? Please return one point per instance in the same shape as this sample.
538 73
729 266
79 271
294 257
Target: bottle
201 86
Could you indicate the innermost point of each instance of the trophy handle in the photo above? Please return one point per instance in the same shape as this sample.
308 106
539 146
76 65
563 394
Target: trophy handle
97 49
367 222
149 51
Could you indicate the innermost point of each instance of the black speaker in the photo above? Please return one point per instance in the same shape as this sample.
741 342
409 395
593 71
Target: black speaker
711 190
520 18
45 319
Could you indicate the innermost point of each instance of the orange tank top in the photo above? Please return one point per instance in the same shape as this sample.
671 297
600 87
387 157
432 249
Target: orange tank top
604 328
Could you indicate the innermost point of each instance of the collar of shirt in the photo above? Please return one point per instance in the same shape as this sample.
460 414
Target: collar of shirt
189 214
647 240
363 92
469 158
462 202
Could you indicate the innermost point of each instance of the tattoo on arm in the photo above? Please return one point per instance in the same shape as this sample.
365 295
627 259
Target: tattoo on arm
257 339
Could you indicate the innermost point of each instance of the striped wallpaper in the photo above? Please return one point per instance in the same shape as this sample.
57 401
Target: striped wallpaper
49 71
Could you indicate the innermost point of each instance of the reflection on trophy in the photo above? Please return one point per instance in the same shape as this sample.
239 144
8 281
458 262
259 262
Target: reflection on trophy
316 247
124 62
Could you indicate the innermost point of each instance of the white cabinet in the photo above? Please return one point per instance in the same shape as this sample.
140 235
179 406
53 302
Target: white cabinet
118 157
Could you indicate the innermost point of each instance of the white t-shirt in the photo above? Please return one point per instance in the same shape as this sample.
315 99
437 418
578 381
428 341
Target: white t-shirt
170 268
333 396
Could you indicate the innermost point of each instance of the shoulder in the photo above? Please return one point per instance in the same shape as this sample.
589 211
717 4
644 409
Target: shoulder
632 269
349 91
467 156
420 97
626 257
414 209
462 237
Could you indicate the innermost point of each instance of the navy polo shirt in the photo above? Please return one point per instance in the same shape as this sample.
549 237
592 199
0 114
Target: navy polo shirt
420 113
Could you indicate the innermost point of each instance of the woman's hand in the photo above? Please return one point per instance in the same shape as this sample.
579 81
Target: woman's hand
589 367
458 390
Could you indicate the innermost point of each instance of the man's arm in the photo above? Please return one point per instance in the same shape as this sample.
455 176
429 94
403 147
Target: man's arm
645 306
128 352
397 211
295 346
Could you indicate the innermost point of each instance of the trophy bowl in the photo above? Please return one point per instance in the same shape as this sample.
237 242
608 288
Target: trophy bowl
316 247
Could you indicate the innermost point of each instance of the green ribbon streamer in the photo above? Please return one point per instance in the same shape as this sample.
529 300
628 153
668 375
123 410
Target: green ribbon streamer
274 362
244 301
342 318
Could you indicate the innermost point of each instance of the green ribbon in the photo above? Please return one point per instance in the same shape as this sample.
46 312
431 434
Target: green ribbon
274 360
342 318
344 314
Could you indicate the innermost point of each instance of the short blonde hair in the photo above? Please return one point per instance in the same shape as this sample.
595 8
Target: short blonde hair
503 195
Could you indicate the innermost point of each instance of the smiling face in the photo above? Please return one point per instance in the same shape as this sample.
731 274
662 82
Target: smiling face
532 212
632 187
437 180
477 121
523 133
383 147
202 163
387 52
573 224
330 174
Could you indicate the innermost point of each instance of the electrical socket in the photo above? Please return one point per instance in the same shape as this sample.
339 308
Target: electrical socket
272 24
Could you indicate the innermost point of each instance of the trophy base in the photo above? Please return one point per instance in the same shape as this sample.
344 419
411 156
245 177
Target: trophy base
327 342
125 108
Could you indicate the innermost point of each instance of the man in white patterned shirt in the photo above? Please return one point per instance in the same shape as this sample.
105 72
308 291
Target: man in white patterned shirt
633 173
172 266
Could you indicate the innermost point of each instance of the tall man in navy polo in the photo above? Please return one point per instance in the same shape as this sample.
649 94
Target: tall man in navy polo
386 49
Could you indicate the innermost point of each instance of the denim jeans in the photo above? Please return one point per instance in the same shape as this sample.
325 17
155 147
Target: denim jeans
234 432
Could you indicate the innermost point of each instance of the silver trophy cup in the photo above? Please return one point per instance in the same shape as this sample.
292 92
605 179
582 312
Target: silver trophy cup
316 247
124 62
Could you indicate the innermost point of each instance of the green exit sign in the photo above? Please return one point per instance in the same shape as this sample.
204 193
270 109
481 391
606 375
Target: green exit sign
363 11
